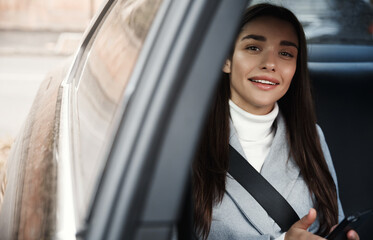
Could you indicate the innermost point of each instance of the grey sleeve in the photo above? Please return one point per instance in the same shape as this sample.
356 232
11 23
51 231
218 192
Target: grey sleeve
329 161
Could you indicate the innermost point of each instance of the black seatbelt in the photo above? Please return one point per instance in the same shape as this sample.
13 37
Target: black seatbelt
262 191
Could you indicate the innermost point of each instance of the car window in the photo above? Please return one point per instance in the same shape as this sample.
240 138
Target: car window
333 21
104 78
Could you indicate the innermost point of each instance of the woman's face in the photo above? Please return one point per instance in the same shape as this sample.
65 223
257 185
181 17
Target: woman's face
263 64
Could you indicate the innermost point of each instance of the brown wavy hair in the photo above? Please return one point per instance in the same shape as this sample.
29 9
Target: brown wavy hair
297 106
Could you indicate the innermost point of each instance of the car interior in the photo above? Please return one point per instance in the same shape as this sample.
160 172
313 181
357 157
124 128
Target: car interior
343 87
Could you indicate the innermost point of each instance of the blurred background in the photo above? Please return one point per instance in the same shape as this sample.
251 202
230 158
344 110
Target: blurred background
35 37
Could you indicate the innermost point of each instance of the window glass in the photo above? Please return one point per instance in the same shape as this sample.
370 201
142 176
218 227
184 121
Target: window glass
104 78
333 21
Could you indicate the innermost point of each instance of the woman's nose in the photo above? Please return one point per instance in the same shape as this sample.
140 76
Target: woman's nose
268 61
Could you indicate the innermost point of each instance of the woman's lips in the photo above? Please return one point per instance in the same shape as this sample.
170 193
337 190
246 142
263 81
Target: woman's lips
264 83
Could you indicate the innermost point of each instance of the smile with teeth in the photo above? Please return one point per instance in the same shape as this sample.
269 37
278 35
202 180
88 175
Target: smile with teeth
264 82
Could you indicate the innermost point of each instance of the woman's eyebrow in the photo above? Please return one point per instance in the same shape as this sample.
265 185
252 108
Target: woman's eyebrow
255 37
288 43
263 39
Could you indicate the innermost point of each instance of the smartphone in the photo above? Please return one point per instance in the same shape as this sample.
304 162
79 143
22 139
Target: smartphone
355 221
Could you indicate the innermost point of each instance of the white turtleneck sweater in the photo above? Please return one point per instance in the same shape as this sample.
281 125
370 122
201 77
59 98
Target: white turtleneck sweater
255 133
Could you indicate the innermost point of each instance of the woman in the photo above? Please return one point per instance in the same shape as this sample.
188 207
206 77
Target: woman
264 109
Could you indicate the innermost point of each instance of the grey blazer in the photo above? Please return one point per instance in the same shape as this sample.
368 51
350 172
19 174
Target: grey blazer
240 216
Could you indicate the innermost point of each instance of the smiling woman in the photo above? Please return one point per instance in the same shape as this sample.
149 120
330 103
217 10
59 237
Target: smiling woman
266 55
264 110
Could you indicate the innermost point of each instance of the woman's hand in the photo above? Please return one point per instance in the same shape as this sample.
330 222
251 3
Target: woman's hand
299 229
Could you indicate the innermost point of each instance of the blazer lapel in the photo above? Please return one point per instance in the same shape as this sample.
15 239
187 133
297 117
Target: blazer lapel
249 207
275 167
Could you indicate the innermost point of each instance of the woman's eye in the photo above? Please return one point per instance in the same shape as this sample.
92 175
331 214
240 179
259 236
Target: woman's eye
286 54
252 48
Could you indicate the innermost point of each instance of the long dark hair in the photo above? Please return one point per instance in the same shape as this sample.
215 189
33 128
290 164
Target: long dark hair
211 162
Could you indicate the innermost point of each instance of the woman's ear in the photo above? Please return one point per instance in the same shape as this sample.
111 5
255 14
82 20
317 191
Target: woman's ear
227 66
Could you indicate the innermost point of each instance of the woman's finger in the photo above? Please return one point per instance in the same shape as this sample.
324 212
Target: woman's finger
352 235
306 221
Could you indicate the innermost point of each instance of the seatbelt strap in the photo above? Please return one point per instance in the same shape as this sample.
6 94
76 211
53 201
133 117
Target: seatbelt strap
262 191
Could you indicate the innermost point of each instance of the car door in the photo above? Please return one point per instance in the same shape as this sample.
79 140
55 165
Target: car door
140 195
106 152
